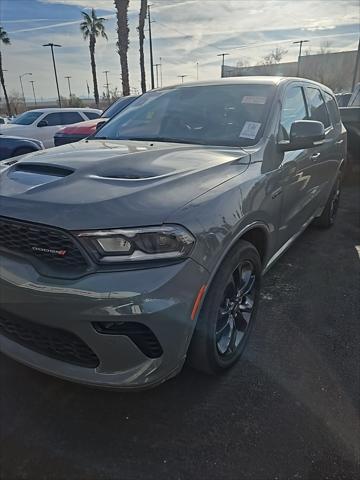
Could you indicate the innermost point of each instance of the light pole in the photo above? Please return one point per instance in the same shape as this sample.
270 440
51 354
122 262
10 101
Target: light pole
22 87
107 85
161 77
182 77
33 89
300 42
52 45
197 70
157 65
223 55
151 50
69 85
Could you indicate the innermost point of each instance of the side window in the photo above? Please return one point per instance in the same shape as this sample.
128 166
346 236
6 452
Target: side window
332 109
317 106
91 115
52 119
67 118
294 108
355 102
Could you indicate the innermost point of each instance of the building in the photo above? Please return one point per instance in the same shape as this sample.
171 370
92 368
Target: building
333 69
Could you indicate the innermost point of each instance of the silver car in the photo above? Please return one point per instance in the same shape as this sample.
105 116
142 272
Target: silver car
127 253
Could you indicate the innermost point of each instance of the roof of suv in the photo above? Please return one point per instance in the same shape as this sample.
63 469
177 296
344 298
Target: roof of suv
254 80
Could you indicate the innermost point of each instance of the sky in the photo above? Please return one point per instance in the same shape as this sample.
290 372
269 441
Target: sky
185 32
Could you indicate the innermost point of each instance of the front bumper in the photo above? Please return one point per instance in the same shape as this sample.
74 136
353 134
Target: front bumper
160 298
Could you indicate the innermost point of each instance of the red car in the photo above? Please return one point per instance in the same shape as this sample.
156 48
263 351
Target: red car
79 131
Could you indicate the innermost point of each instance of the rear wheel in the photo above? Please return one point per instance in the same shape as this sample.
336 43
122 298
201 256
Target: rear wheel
228 313
328 216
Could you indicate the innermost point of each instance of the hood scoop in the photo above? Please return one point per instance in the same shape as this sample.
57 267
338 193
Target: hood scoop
43 169
25 176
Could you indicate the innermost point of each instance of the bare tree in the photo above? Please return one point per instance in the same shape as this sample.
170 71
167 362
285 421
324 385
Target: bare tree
274 57
142 17
242 62
122 7
325 47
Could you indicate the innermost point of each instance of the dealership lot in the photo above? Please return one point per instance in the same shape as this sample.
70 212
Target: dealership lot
288 410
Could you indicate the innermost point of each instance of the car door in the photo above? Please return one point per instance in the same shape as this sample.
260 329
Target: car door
298 169
325 158
52 122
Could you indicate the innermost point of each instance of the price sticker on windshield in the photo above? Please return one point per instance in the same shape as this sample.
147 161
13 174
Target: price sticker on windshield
254 99
250 130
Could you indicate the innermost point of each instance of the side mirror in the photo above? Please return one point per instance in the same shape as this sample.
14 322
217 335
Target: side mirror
100 125
304 134
43 123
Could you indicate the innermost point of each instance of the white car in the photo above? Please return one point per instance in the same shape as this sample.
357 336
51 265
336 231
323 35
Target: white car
42 124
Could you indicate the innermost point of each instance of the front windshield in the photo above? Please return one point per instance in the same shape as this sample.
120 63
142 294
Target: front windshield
26 118
232 115
117 107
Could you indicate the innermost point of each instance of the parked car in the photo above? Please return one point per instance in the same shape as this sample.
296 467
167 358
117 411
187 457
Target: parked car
3 120
79 131
343 99
15 146
42 124
129 252
350 116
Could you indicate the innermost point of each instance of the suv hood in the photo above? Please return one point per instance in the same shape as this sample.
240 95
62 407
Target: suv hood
112 184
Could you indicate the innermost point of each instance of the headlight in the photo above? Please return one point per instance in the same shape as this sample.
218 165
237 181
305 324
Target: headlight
139 244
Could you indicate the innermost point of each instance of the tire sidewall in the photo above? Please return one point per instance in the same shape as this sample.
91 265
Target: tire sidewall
207 320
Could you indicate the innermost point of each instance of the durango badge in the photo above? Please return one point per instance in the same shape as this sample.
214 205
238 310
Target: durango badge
60 253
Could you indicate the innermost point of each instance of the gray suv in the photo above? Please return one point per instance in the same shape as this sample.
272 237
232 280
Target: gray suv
131 251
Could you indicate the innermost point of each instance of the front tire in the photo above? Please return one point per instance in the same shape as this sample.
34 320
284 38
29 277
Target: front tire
228 312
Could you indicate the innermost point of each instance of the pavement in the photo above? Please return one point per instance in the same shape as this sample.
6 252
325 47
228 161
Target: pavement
288 410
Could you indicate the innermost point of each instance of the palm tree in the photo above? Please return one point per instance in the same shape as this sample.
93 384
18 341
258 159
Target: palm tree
93 27
142 17
4 39
122 7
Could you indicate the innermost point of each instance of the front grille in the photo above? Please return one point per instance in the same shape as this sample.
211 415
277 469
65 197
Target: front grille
49 341
51 247
140 334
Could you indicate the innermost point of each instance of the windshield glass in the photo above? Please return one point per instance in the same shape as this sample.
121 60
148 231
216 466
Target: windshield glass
26 118
232 115
117 107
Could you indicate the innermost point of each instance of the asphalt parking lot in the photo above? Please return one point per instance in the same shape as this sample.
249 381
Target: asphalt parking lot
289 410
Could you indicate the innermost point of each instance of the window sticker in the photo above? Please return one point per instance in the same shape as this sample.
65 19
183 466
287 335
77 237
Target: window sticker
250 130
254 100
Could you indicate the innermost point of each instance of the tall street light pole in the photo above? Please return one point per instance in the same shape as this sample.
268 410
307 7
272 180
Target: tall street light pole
356 69
157 65
300 42
52 45
33 89
197 70
151 50
69 85
223 55
22 86
107 85
182 77
161 77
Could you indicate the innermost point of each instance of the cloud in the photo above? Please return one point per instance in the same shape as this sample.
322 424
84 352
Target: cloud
184 32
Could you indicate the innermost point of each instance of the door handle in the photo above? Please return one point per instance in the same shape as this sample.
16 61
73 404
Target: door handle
339 142
276 192
315 156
